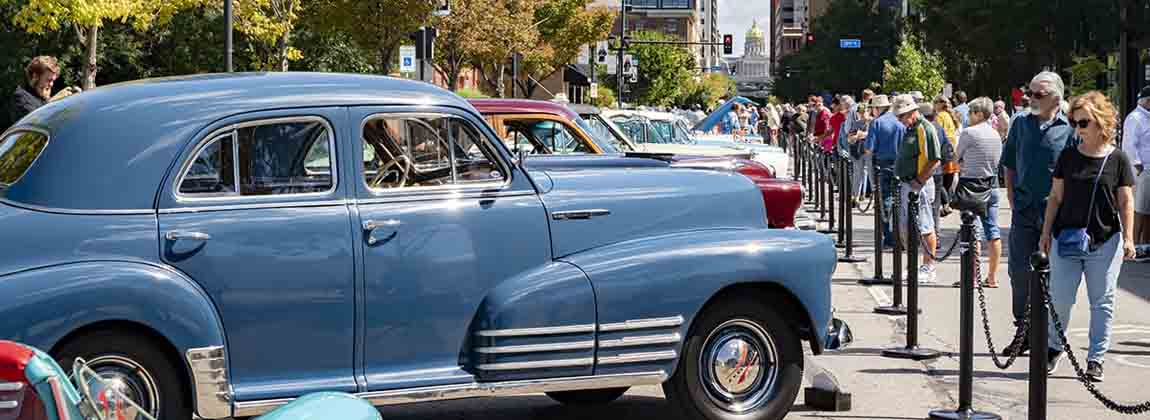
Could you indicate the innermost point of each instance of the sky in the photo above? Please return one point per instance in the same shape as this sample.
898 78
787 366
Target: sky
735 18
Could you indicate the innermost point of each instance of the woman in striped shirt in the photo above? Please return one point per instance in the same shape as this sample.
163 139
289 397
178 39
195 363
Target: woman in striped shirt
979 150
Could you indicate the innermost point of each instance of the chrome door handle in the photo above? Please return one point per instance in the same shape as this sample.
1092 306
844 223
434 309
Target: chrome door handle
370 226
579 214
188 236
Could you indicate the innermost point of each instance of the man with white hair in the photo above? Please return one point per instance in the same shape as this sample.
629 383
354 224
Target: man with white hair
1031 149
1136 144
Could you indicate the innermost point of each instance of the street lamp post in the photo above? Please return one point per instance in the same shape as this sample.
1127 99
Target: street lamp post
228 35
622 49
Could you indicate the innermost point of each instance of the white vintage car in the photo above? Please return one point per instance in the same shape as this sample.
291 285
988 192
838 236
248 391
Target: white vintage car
675 127
648 135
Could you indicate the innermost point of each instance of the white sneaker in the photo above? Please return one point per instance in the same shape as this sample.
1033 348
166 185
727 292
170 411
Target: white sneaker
926 274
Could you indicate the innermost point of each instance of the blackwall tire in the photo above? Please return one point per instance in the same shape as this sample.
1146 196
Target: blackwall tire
741 361
135 358
588 396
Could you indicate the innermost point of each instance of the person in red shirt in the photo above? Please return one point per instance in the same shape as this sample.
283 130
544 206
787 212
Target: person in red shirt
820 120
836 124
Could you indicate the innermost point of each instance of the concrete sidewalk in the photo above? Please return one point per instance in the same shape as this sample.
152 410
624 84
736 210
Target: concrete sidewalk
900 389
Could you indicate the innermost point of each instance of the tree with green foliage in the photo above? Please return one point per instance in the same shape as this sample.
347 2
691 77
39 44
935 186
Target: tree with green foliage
821 66
705 90
914 69
606 97
270 23
458 39
565 28
1084 74
663 70
378 27
511 29
86 17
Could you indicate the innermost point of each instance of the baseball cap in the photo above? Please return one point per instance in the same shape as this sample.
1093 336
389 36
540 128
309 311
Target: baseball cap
1145 94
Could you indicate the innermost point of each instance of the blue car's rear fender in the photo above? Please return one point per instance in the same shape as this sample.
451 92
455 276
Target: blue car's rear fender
662 278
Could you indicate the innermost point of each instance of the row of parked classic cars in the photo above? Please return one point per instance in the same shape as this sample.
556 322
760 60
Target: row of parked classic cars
225 245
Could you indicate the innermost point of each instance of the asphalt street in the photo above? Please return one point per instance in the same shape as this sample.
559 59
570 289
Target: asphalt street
884 388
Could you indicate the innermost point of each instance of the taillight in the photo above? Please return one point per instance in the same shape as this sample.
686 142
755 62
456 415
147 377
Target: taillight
754 170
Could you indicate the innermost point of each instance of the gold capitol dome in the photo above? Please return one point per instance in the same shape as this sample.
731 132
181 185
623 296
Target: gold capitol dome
755 32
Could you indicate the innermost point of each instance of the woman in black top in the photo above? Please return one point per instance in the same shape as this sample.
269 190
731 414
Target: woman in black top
1106 212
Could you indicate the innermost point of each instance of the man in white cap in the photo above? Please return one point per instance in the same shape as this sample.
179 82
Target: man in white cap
919 153
1029 154
1136 144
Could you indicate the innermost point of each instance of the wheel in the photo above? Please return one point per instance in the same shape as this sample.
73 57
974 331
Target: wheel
137 366
741 361
588 396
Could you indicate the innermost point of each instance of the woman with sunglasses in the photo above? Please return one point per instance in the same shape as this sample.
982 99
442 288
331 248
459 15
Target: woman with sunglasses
1091 234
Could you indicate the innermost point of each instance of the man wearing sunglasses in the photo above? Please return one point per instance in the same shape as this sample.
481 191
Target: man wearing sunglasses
1136 144
1031 149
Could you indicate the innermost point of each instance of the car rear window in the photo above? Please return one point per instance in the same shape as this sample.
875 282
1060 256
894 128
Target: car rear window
17 152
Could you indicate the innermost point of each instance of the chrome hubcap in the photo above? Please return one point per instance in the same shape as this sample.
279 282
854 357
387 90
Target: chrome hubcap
128 378
738 366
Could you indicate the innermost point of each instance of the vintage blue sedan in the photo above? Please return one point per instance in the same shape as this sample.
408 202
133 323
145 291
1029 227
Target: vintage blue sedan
223 244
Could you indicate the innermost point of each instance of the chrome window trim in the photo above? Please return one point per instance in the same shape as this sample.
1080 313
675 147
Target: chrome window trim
641 340
538 364
230 130
639 324
375 192
522 332
38 130
11 386
475 389
459 194
651 356
537 348
255 206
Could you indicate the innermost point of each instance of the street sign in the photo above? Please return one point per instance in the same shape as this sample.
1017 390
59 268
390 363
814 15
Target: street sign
443 8
594 91
407 59
850 43
630 65
1147 72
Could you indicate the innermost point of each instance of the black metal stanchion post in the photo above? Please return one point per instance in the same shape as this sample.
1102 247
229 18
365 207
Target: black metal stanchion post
877 201
843 199
806 159
1038 335
830 186
912 350
820 183
848 222
896 272
965 410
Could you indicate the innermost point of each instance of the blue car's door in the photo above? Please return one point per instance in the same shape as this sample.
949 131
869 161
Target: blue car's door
445 220
257 215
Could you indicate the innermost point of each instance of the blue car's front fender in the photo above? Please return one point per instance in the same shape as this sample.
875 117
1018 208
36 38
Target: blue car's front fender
675 275
42 306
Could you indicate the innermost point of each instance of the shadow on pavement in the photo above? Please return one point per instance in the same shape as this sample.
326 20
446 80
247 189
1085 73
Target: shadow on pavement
948 372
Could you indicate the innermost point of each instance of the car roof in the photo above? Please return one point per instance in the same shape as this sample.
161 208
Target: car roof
522 106
110 148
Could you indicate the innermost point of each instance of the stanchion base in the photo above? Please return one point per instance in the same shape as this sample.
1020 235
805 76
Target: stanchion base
892 310
912 353
963 415
852 259
876 281
828 231
840 245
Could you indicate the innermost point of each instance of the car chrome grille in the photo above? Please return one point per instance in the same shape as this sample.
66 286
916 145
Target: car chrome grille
11 395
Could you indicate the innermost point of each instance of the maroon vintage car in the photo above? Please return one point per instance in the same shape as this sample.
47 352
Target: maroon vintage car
539 127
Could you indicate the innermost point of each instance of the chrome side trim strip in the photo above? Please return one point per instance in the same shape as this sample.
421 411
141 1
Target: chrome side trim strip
537 348
639 324
472 390
579 214
252 206
521 332
11 386
641 340
212 391
540 364
653 356
80 212
8 405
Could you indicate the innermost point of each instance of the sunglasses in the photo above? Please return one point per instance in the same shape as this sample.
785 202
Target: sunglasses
1039 95
1080 123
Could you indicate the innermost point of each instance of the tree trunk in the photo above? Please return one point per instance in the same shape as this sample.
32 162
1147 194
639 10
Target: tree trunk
283 49
385 62
501 77
90 41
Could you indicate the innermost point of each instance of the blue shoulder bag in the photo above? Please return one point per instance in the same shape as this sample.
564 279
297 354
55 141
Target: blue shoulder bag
1076 242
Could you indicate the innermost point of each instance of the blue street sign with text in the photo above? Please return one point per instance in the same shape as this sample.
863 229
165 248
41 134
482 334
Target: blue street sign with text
850 43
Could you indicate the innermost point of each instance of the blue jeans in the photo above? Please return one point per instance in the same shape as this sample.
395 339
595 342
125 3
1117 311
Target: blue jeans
861 175
889 187
990 229
1025 232
1101 269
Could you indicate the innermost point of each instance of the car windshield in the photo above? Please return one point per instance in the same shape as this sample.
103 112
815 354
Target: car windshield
668 134
17 153
602 133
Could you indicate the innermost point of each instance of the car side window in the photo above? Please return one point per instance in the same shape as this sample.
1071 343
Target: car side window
558 137
261 159
408 151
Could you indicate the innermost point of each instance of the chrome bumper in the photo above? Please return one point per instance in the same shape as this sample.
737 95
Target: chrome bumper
839 336
11 394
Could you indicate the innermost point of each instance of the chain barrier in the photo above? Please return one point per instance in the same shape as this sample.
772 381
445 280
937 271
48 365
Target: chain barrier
1013 349
947 255
1110 404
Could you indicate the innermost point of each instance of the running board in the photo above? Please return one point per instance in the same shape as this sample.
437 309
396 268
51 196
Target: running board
475 389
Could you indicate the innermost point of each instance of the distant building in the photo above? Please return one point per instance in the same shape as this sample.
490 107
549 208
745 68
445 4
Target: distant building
679 19
791 23
753 71
709 22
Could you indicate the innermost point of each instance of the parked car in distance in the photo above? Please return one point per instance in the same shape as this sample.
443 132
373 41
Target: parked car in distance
260 237
549 128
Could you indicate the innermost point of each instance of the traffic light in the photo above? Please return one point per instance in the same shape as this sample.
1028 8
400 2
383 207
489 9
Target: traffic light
810 38
728 44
